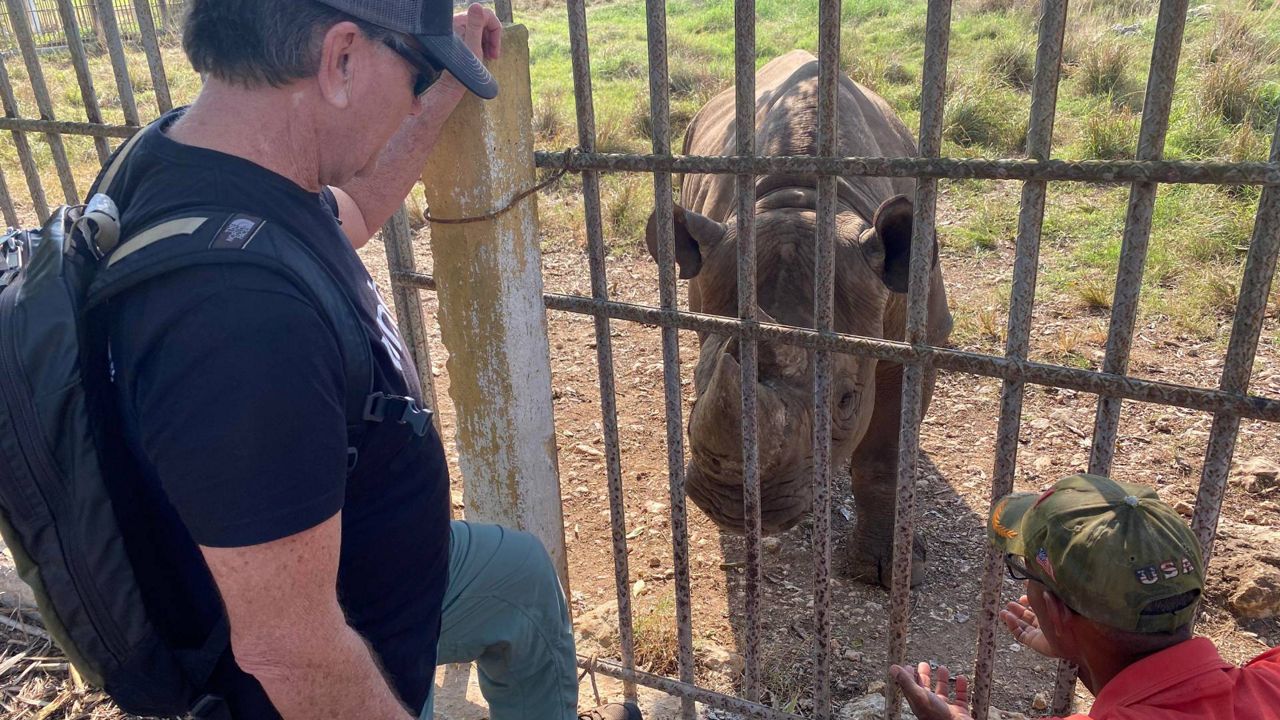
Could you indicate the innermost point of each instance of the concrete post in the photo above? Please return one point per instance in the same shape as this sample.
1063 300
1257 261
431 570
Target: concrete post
492 318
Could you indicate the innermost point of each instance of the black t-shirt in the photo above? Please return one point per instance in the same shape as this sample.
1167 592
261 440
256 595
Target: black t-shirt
232 392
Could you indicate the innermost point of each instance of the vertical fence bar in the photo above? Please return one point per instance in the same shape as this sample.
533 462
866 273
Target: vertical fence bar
604 343
1255 288
30 171
745 130
151 48
6 203
502 8
1133 254
1053 21
397 241
660 111
1137 228
932 99
119 64
823 305
38 87
88 96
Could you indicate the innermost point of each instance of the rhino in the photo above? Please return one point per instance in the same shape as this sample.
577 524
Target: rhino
872 256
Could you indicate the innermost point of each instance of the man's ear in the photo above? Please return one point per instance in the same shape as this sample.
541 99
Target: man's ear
695 235
339 63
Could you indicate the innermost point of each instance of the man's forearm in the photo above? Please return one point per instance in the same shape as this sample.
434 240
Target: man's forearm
380 193
336 677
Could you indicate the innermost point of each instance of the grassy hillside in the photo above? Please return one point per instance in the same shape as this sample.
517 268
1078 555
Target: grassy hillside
1225 108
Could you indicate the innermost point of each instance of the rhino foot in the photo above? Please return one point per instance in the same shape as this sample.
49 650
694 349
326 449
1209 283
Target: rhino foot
873 562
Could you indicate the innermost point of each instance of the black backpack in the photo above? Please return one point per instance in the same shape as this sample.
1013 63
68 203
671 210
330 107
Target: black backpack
71 509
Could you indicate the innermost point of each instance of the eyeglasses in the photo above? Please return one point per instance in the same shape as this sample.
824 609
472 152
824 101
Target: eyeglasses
427 72
1017 567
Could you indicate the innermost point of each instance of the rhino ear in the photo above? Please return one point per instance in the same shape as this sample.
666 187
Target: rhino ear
889 248
695 236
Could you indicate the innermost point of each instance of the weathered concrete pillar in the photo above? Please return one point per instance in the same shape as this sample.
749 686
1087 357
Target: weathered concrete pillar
492 320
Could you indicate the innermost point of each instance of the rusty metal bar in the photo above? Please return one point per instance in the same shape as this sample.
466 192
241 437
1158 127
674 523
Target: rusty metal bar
604 337
10 214
823 303
1092 171
1053 21
64 127
745 130
660 112
397 241
1133 254
30 171
35 75
1137 230
88 96
932 99
1149 391
1255 289
119 64
151 48
502 8
689 692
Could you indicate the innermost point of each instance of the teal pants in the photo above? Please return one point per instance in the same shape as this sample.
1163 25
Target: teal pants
505 611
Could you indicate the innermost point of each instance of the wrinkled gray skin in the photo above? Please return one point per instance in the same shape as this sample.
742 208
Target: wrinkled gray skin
872 256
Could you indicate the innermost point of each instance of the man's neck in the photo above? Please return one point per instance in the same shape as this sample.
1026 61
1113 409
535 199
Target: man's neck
1101 665
281 140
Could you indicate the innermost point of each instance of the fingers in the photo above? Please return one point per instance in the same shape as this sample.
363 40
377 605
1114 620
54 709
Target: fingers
962 690
924 674
942 687
492 36
916 695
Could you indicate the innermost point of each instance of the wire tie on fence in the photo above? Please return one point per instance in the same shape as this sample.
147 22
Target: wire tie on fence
555 176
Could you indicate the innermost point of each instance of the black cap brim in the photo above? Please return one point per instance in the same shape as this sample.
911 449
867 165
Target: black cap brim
457 58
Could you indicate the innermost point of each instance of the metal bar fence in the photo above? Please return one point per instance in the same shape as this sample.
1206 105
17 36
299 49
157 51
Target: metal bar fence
1229 402
53 25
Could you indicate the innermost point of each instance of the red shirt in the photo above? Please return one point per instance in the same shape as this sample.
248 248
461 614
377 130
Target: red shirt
1191 680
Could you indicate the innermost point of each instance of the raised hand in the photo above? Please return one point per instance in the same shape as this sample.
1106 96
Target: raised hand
1025 627
481 30
935 704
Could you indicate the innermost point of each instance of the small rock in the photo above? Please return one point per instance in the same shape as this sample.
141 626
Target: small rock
655 562
1039 702
655 508
598 628
1042 463
719 660
870 707
588 450
1126 30
1260 474
1257 592
876 688
1251 516
1184 508
852 656
1200 11
771 545
637 588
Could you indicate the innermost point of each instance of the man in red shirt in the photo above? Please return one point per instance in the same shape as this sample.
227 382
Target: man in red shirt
1113 577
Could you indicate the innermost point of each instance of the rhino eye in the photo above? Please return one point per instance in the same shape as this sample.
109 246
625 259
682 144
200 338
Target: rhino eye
846 400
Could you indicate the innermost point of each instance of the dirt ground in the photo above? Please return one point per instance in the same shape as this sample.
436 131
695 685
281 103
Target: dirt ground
1158 445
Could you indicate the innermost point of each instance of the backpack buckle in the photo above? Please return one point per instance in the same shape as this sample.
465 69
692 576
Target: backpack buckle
380 407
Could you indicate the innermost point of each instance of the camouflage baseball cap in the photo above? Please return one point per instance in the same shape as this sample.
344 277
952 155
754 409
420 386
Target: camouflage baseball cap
1110 550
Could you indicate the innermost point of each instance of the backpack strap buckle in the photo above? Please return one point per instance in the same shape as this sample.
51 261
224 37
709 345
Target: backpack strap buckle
210 707
380 407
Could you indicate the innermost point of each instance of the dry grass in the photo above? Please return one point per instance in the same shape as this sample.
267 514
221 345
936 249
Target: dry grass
655 633
985 116
1094 294
1105 69
37 683
1012 63
1231 88
1110 135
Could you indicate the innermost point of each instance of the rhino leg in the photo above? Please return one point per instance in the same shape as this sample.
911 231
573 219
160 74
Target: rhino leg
874 469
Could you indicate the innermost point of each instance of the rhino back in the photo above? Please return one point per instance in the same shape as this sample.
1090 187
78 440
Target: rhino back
786 124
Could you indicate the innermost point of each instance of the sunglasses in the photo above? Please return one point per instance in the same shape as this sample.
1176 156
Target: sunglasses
427 73
1017 567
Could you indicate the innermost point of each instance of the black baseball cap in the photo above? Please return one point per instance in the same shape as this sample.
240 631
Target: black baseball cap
430 22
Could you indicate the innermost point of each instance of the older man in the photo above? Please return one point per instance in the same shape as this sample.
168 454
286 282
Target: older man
340 573
1114 578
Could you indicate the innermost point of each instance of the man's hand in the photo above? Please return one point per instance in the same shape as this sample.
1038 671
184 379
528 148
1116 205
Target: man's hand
932 705
1025 628
482 31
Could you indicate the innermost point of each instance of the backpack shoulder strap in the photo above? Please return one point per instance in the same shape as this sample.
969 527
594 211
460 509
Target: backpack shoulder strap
216 236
